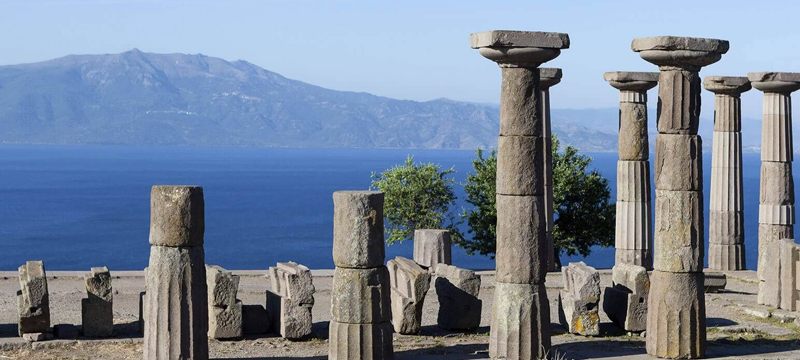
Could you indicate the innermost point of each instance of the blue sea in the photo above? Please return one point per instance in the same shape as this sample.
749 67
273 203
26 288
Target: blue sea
81 206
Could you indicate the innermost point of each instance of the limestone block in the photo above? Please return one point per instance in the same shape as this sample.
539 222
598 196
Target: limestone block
520 322
714 282
520 108
97 312
358 229
777 183
625 309
432 246
360 296
632 277
409 283
519 39
641 257
223 286
225 322
291 300
224 310
633 181
578 301
549 77
176 216
633 141
679 162
521 239
769 272
458 290
520 165
726 227
33 299
726 257
790 255
678 231
678 102
676 315
360 341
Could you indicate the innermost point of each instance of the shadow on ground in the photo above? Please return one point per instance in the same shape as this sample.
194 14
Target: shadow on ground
465 352
8 330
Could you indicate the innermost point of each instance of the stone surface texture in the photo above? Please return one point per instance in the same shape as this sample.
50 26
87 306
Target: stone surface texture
676 305
291 300
548 77
224 310
33 299
175 308
97 309
458 290
358 229
625 302
431 247
579 301
409 284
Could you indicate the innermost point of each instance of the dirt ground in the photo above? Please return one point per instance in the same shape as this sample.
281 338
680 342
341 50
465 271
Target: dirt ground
736 329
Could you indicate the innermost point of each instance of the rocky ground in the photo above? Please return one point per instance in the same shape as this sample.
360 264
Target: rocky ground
737 327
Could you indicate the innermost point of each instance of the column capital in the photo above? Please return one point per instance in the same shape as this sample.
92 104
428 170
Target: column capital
519 48
775 82
727 85
681 52
631 81
549 77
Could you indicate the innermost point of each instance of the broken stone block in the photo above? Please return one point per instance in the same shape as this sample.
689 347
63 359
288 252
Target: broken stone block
358 229
714 282
625 302
255 320
33 300
409 282
360 296
458 290
291 300
97 311
431 247
224 310
360 341
520 322
578 301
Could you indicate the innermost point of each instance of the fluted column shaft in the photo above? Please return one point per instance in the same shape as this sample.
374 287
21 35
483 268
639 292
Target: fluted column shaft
548 77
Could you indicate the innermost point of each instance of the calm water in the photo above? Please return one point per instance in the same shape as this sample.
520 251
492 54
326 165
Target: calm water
82 206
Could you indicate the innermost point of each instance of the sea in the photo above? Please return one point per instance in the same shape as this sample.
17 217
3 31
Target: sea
81 206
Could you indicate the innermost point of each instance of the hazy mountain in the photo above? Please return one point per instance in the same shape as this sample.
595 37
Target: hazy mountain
143 98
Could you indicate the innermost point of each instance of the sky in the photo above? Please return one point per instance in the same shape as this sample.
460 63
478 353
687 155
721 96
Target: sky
408 49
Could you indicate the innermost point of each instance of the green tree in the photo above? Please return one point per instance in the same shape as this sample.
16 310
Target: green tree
583 215
416 196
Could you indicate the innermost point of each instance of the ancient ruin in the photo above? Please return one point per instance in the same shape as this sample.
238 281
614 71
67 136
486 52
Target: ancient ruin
431 247
548 77
726 208
625 302
291 300
676 305
224 310
97 309
360 326
459 305
409 284
633 238
176 300
33 302
578 301
520 311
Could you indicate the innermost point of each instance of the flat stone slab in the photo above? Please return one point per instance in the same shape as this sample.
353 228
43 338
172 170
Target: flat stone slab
671 43
773 76
515 38
626 76
727 84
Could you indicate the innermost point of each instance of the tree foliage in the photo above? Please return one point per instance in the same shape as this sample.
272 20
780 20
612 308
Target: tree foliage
416 196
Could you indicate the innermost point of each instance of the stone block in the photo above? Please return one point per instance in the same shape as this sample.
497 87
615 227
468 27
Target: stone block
790 255
632 277
291 300
633 181
360 296
633 139
255 320
578 301
176 216
777 183
97 311
409 284
676 315
457 290
33 299
714 282
360 341
678 231
678 102
521 239
520 108
520 322
640 257
223 286
358 229
432 246
769 274
520 165
626 310
225 322
679 162
224 310
515 39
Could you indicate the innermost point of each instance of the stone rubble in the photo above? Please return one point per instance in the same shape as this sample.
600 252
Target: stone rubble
97 309
224 309
291 300
625 302
578 302
409 283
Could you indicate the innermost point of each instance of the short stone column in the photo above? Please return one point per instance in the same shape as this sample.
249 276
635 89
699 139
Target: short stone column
776 200
548 77
633 237
676 318
726 210
97 309
33 302
431 247
360 326
520 316
176 304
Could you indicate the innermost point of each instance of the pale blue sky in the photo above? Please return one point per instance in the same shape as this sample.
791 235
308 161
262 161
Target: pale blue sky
407 49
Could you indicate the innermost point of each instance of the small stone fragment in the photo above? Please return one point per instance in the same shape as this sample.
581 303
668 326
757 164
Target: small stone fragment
458 290
578 301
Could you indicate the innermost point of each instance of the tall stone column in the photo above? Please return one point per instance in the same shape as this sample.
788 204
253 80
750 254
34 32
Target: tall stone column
776 200
633 238
548 77
676 317
726 211
176 305
521 316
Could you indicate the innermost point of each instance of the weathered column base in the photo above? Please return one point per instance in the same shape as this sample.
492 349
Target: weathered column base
768 256
641 257
726 257
519 310
676 315
360 341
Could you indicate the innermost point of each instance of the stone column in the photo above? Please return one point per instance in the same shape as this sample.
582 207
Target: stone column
726 222
176 305
548 77
633 239
520 317
676 318
360 325
776 200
